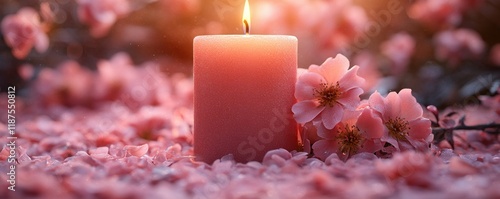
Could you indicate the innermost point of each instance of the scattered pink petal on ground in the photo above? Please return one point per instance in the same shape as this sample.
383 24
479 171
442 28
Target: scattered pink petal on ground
99 153
70 84
460 167
137 150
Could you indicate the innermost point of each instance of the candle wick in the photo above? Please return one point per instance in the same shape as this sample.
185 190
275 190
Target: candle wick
247 27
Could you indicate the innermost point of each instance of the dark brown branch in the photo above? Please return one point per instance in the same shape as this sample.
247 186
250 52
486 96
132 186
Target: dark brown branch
482 127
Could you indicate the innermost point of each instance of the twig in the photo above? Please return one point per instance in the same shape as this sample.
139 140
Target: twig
481 127
441 134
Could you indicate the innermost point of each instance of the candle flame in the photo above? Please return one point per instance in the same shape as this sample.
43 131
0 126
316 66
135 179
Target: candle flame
246 18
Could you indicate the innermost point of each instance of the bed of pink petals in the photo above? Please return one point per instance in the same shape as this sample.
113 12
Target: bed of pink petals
119 147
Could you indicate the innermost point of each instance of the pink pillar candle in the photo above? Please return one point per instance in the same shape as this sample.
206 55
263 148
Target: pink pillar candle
243 95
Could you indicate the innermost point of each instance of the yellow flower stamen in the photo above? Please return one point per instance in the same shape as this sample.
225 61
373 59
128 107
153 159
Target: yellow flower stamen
328 94
349 140
398 128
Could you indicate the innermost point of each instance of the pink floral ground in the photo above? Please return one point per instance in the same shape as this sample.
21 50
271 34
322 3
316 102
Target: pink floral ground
118 149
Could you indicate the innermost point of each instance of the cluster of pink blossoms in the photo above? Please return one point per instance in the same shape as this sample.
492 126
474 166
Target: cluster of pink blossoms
322 27
116 80
23 31
101 15
457 45
337 121
439 14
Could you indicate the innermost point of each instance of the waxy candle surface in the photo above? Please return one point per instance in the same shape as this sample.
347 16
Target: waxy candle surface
243 94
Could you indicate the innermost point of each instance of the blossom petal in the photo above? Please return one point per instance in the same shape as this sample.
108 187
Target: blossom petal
307 146
350 117
410 108
371 146
350 99
306 111
310 131
376 102
41 42
392 106
323 132
420 129
324 148
333 69
370 124
418 145
390 140
314 68
301 71
307 82
406 145
351 79
331 116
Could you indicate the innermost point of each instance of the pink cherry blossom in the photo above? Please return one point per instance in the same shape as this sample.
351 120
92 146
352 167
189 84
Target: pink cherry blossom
326 91
403 124
359 131
436 13
23 31
100 15
47 13
349 23
399 49
439 14
457 45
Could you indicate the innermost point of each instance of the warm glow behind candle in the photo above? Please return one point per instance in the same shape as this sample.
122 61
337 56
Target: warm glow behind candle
246 18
